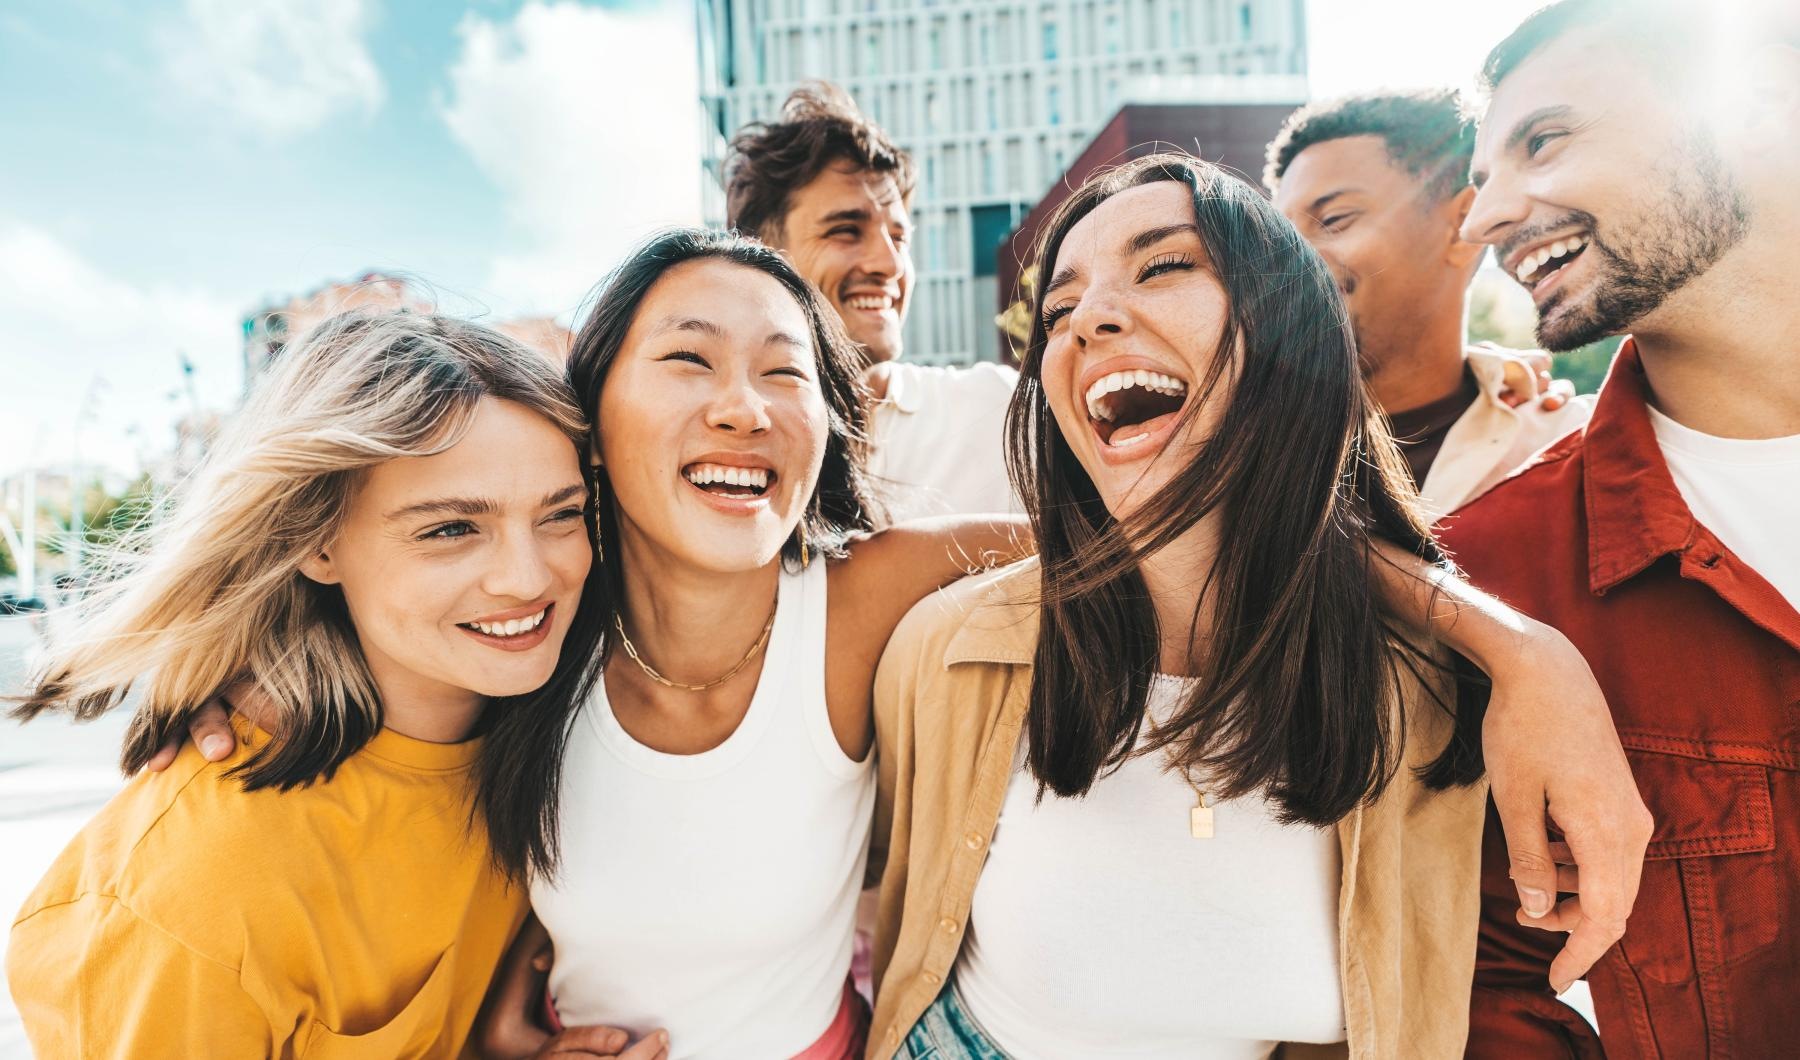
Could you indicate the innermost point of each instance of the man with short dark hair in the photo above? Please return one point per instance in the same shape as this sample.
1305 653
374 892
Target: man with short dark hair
825 186
1378 184
1639 173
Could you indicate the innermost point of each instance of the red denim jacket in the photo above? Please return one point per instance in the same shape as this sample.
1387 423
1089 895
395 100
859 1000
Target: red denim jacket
1699 658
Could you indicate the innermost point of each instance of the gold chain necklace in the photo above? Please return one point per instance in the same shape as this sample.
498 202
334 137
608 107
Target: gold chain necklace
1200 815
650 671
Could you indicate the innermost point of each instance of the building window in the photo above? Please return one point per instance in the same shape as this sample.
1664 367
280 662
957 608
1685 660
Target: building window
1177 27
934 114
1113 33
987 43
1053 108
988 178
1049 37
872 51
993 108
935 45
1244 21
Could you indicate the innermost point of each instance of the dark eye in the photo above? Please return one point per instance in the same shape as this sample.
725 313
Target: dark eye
1539 141
1166 263
902 238
797 373
685 355
448 532
845 230
1337 222
1056 313
566 515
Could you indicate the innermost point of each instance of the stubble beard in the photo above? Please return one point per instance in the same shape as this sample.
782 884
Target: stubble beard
1700 215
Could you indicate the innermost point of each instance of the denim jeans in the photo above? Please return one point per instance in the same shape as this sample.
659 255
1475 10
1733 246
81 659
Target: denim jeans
947 1032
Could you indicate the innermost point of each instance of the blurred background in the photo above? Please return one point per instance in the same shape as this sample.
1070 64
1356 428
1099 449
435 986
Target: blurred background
186 185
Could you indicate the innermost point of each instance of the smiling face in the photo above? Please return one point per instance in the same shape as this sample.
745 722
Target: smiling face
461 570
712 422
1390 242
848 232
1601 196
1133 316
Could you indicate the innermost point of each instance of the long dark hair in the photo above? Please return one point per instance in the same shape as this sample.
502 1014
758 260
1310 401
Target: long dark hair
841 505
1303 657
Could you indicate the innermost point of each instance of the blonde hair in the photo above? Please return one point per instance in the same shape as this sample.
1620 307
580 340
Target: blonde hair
212 594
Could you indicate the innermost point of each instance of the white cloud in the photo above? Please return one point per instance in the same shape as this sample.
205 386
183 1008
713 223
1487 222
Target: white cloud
587 121
65 323
281 67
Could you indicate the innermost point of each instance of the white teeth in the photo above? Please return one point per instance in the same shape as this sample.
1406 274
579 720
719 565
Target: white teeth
870 301
1534 261
511 627
703 474
1118 443
1113 382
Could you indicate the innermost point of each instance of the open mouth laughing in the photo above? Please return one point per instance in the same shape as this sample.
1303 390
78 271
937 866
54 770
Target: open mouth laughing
734 487
1542 266
1131 407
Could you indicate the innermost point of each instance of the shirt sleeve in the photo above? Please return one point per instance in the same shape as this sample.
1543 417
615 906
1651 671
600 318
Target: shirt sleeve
93 979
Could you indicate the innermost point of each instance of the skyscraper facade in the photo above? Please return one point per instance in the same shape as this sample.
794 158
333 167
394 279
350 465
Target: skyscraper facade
993 98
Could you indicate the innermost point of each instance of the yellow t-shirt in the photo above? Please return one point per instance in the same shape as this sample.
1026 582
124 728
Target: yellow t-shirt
352 918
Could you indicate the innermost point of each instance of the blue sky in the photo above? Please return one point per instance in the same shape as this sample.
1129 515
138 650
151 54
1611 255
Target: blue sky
168 166
171 166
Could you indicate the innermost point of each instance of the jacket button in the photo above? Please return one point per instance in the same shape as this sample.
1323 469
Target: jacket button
972 841
948 925
893 1037
932 978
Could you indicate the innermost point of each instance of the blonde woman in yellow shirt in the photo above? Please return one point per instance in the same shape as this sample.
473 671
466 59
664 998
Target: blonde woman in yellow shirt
392 542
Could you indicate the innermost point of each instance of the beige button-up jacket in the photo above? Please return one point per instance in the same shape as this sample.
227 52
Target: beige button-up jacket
950 700
1491 439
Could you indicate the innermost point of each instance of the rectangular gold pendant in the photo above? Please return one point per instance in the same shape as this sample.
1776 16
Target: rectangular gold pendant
1200 822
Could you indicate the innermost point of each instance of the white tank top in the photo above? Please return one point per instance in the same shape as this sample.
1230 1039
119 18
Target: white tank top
715 894
1102 928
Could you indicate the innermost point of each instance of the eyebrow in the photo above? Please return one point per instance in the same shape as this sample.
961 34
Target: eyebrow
1319 204
855 213
705 327
1135 245
1521 131
474 506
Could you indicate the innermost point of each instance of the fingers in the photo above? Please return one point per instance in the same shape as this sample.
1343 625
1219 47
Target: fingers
585 1041
164 756
1528 851
653 1046
1558 392
1610 861
1589 939
211 732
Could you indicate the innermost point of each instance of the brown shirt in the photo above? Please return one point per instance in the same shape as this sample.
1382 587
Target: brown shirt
1421 431
950 700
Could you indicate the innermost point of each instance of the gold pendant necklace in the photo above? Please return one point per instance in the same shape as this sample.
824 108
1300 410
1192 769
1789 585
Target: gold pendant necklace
1200 818
650 671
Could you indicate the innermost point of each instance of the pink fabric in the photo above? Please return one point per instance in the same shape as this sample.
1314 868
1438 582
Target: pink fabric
843 1040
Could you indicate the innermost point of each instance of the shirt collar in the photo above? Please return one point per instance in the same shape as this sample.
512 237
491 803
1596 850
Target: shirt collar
1635 513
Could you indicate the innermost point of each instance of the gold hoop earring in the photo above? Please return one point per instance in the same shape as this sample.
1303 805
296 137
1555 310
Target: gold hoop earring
805 556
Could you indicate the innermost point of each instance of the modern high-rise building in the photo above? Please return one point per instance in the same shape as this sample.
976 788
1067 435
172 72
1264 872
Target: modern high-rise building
993 98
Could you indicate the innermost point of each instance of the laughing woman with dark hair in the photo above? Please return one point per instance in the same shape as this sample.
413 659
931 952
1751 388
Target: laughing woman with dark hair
1185 785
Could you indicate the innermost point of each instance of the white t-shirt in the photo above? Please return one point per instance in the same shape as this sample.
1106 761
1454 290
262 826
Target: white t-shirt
1746 491
1102 928
714 894
939 440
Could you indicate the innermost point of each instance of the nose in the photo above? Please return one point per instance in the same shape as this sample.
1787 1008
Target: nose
519 569
737 407
1098 316
882 257
1499 206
